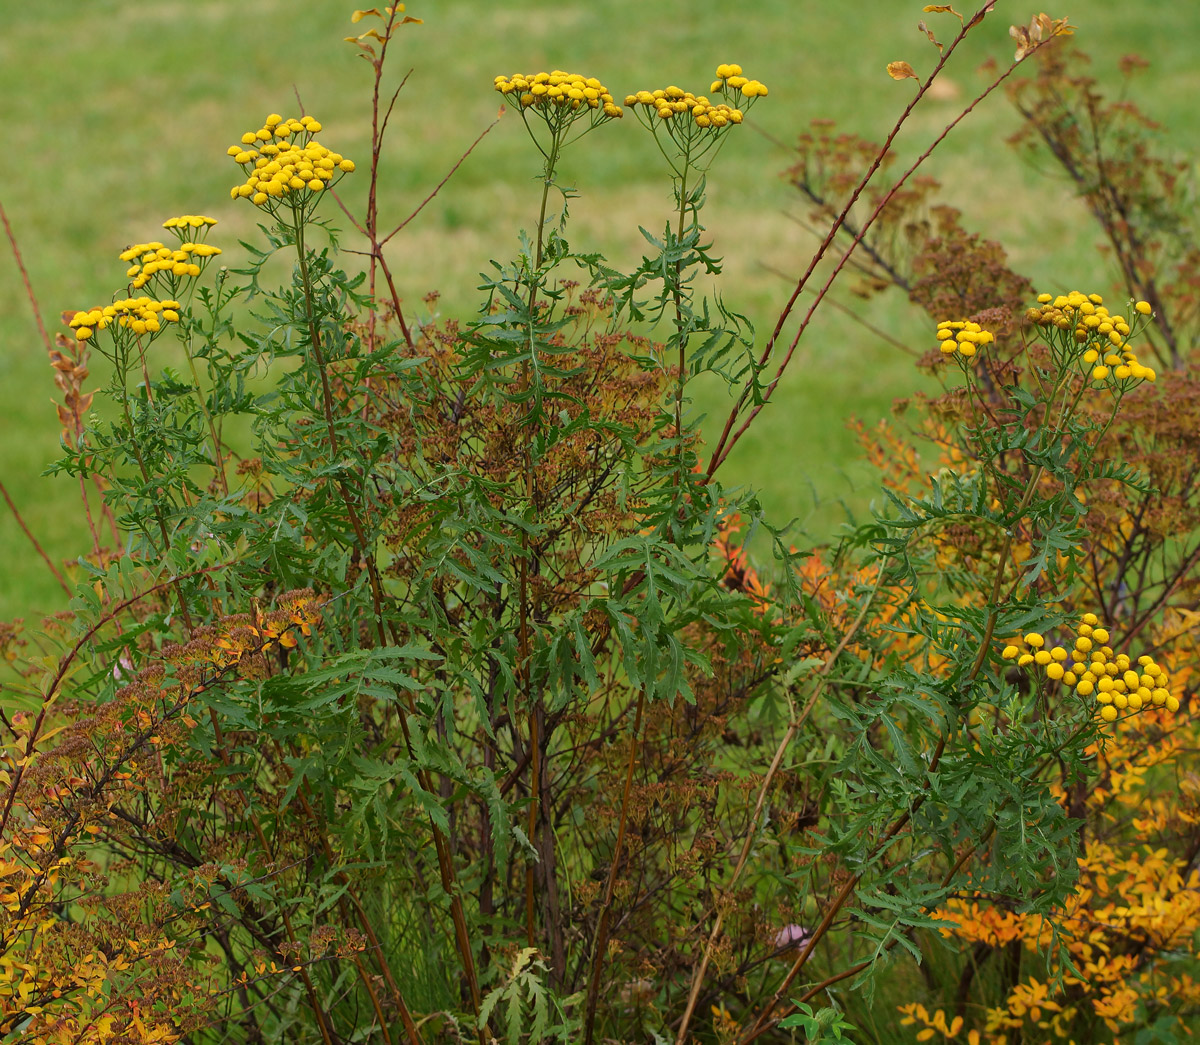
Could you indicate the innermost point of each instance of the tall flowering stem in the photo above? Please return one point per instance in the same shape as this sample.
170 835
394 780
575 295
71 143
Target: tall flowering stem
172 273
287 172
690 130
118 330
558 108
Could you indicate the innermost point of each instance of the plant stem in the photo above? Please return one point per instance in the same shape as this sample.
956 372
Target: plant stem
677 294
600 942
536 740
218 457
364 553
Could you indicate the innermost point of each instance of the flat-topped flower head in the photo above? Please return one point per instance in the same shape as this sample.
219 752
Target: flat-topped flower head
140 316
189 226
1083 333
673 101
285 164
694 125
560 100
962 337
730 83
168 267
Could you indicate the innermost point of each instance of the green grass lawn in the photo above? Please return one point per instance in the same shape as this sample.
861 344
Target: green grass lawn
119 113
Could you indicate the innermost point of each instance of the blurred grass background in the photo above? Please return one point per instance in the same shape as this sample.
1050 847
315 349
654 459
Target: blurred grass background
119 113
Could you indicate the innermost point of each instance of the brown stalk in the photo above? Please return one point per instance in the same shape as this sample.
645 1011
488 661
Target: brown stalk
46 342
29 295
752 826
600 942
33 540
370 230
729 438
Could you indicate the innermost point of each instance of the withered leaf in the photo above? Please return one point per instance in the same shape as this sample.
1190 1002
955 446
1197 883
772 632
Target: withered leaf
901 71
929 33
941 9
1041 28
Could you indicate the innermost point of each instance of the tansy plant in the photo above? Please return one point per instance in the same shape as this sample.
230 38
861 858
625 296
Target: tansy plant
418 685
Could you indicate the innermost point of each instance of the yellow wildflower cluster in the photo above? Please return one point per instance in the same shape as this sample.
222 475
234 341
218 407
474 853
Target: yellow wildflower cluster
674 101
1102 338
730 79
694 122
141 315
559 91
962 337
1094 670
698 110
151 259
283 159
184 222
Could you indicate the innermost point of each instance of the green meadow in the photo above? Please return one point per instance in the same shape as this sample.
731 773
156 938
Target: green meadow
118 115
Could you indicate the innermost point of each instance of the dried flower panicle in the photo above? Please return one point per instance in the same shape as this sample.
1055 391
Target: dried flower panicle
1116 681
284 161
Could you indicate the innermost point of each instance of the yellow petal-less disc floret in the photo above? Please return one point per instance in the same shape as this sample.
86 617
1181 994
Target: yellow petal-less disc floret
695 123
962 337
156 262
290 164
140 315
1116 682
1082 332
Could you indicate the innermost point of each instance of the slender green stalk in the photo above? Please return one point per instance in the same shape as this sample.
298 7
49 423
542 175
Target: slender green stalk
536 739
677 294
218 456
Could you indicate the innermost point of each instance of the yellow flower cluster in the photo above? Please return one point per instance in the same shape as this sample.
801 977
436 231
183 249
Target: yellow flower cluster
674 101
559 90
962 337
142 315
188 221
153 258
1094 670
1103 337
282 159
730 78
